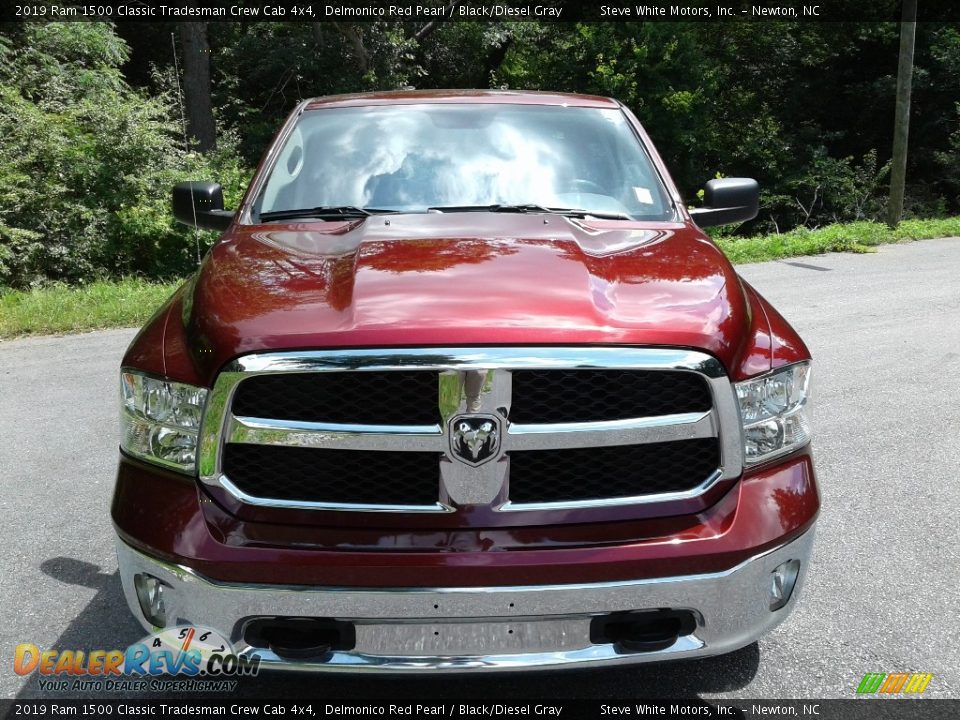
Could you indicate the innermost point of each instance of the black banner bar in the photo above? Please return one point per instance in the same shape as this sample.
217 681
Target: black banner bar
859 709
479 11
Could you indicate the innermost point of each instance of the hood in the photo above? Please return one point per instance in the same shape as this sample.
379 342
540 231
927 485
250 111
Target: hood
464 279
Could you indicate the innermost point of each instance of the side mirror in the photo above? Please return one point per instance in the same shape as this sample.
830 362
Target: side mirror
200 204
728 200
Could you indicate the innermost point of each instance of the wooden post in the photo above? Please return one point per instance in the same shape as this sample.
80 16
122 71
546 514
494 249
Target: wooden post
901 123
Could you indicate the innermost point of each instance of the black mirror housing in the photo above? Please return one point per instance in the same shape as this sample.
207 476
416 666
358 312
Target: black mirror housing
200 205
728 200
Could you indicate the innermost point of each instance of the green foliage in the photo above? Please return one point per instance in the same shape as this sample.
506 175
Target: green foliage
86 163
144 239
60 308
842 237
830 190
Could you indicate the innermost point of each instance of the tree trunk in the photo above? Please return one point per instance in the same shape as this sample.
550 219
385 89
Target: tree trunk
492 63
901 123
196 84
360 53
428 29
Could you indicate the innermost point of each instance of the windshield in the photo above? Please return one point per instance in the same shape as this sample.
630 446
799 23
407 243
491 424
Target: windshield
411 158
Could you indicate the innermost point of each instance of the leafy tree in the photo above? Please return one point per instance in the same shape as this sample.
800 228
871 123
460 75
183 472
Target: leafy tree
86 162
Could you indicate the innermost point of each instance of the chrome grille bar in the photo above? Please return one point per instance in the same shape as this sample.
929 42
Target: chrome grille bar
636 431
293 433
420 438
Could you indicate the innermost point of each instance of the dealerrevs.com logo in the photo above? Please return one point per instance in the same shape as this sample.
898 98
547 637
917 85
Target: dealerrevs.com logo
180 658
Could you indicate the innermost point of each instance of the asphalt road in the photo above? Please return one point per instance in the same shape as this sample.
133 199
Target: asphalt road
881 595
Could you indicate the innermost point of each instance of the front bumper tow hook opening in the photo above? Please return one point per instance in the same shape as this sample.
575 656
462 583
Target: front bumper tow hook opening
642 631
300 638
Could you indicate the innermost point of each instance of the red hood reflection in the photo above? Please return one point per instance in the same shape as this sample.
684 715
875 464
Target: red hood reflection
465 279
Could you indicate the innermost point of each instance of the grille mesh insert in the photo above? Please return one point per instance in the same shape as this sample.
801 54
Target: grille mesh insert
368 398
611 472
336 476
561 396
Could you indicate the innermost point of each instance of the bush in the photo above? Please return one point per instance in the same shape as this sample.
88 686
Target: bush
86 163
830 190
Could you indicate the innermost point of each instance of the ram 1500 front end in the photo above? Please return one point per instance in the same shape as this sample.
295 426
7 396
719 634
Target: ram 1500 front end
463 386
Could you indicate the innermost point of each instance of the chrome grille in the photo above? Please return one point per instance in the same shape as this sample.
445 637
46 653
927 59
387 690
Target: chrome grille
434 429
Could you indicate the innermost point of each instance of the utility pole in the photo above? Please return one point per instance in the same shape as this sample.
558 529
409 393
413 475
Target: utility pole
901 123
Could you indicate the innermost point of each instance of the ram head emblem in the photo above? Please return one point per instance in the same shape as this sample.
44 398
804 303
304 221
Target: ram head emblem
474 439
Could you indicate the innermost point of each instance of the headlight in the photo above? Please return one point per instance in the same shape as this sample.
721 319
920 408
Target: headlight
159 420
775 413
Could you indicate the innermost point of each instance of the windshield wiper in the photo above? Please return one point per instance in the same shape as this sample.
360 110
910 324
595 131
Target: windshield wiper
532 208
596 214
526 208
327 212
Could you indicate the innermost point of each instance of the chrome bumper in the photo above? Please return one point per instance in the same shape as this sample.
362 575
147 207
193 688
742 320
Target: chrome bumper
489 628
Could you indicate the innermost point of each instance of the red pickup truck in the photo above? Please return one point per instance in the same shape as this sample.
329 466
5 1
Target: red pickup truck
463 386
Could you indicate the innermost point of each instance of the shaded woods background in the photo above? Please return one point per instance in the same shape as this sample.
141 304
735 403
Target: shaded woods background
91 136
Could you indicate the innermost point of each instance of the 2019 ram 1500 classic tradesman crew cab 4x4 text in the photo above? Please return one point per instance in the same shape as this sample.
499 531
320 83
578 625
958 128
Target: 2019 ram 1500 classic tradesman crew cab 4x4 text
464 386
